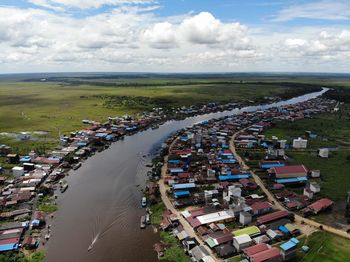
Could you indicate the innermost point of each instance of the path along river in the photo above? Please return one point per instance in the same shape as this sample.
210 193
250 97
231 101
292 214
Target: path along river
102 203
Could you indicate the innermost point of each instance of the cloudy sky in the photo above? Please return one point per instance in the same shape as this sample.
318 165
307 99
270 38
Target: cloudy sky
174 35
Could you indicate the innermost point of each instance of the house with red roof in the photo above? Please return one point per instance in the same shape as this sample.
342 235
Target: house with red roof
288 171
249 251
273 254
318 206
260 208
277 215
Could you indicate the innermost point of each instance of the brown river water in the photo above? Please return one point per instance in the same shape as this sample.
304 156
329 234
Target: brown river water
102 204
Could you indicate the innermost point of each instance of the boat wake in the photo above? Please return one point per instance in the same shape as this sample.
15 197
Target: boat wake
93 242
101 233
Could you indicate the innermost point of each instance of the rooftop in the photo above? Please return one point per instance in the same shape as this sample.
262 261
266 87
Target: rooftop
251 231
289 169
215 217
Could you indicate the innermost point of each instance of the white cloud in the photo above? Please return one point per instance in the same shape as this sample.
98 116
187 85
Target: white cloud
326 10
86 4
325 44
204 28
133 38
161 35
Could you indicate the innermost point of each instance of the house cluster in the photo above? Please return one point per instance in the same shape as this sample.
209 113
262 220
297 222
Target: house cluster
33 177
224 206
21 189
295 186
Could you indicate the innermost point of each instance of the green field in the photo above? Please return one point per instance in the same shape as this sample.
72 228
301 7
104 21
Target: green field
332 131
325 247
58 106
174 252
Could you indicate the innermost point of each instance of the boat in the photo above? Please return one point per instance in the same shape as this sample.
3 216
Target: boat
144 202
148 219
142 222
76 166
64 187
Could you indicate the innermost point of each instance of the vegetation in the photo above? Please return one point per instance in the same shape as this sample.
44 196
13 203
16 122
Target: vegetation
325 247
38 256
157 212
175 251
236 259
47 205
340 94
332 130
58 106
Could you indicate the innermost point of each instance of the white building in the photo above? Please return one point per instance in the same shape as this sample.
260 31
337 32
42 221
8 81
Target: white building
211 173
315 173
323 152
18 171
308 193
299 143
283 144
216 217
245 218
314 187
234 191
241 242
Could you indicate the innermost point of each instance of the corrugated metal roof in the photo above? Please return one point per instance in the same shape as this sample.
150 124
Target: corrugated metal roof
292 243
266 255
253 230
249 251
232 177
268 166
321 204
291 180
289 169
273 216
8 247
184 186
181 193
242 239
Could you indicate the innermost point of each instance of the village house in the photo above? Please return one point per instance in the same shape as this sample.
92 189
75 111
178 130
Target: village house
292 171
318 206
242 241
299 143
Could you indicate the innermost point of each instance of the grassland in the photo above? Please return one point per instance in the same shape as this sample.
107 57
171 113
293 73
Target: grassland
325 247
175 251
332 130
58 106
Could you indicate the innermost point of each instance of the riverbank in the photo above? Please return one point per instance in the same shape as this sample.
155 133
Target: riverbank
120 202
58 106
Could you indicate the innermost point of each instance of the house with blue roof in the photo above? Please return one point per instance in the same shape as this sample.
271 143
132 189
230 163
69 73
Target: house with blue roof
268 166
184 186
180 194
233 177
25 159
293 180
289 249
8 247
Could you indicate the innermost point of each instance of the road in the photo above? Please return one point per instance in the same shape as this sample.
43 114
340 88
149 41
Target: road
299 219
187 227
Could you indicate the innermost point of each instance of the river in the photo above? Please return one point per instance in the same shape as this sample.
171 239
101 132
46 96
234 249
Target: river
102 203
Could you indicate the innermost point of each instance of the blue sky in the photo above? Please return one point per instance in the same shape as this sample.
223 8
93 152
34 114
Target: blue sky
174 35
